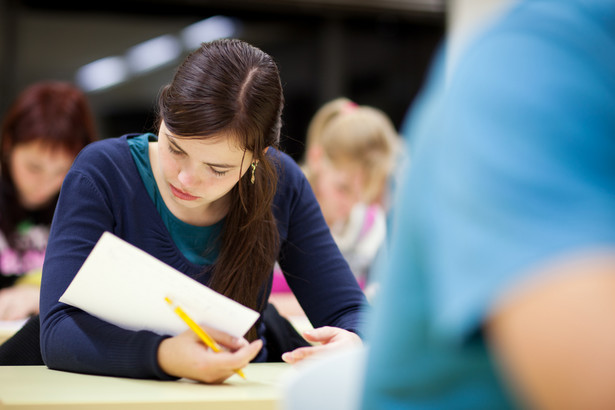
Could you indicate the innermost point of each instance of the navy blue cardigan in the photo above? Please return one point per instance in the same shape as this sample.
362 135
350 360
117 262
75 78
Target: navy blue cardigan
103 191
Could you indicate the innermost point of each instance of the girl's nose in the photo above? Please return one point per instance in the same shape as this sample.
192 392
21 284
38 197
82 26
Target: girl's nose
188 175
185 177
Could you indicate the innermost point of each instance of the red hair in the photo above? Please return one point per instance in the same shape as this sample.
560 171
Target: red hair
56 113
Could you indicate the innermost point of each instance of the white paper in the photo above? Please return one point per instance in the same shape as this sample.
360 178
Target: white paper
126 286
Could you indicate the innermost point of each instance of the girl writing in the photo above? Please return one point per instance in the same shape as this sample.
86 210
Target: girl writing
211 196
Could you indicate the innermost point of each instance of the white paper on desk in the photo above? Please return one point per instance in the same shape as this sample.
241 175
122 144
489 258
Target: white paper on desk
126 286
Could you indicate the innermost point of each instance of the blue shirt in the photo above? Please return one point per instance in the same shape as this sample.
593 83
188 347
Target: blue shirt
513 166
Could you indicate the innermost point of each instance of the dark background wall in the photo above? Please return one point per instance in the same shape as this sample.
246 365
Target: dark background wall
374 52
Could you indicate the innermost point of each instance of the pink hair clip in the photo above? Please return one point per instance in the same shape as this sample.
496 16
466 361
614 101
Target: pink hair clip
350 106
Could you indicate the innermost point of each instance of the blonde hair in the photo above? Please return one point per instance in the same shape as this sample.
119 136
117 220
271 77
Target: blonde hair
356 134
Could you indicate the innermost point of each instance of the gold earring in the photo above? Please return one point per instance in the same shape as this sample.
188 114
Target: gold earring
254 164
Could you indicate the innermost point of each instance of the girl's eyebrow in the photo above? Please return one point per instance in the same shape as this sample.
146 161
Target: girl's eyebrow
211 164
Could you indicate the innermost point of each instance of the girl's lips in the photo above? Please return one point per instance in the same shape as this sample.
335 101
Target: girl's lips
182 195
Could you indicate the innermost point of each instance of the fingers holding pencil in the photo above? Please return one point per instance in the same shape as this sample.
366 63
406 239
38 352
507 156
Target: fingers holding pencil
203 334
237 359
185 355
225 340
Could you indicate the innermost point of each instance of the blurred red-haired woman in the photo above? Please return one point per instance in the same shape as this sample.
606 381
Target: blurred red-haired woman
43 131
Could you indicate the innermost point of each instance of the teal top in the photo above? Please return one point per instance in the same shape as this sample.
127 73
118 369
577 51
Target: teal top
199 244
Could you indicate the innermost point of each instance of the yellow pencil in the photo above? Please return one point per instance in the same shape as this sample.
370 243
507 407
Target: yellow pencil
211 343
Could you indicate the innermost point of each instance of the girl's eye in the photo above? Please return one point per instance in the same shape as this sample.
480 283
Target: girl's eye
219 173
174 151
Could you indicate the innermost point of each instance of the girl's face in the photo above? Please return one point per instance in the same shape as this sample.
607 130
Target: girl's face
197 174
38 172
338 189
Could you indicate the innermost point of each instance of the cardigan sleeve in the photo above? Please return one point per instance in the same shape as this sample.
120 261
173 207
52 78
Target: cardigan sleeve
314 268
72 339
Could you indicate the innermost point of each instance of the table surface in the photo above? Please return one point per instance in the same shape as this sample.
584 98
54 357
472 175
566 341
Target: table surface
29 387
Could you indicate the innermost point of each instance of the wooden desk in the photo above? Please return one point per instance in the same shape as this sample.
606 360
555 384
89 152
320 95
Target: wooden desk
30 387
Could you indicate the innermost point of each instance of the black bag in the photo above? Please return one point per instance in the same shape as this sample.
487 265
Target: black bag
280 334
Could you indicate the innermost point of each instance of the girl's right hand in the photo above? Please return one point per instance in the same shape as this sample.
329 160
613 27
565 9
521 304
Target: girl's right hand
185 355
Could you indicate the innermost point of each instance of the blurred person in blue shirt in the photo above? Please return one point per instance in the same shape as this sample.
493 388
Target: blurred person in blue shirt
499 290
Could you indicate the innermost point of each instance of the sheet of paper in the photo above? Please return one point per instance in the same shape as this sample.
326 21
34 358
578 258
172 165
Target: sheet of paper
126 286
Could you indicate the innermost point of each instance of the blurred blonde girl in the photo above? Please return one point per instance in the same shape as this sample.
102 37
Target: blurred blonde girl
351 152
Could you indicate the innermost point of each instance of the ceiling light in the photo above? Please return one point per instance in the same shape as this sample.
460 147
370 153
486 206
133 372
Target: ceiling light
101 74
153 53
207 30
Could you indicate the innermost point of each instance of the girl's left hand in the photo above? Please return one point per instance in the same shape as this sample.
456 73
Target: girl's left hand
330 338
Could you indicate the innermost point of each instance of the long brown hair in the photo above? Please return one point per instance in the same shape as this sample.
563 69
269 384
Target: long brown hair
57 114
228 86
